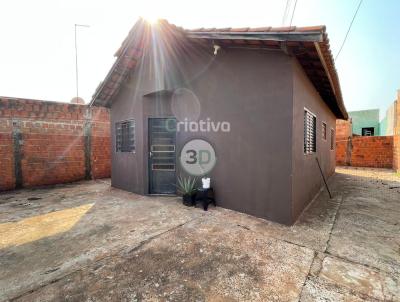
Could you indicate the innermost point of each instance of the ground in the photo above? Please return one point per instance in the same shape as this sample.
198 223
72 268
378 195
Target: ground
89 242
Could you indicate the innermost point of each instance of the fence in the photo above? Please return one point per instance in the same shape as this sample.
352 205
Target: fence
44 143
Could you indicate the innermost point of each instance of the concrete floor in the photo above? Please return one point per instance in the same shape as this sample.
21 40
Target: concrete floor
89 242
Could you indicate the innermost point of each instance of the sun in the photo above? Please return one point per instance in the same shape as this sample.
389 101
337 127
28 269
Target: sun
151 17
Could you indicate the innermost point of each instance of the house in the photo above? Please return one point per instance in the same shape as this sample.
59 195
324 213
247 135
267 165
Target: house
387 124
365 122
250 107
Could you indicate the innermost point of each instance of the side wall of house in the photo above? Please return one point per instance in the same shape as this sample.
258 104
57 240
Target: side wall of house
250 89
307 179
46 143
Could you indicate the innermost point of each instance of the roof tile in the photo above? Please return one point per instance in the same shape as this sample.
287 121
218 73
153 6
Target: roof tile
283 29
261 29
242 29
308 54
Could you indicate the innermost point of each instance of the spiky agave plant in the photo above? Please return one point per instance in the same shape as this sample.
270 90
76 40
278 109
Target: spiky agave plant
186 186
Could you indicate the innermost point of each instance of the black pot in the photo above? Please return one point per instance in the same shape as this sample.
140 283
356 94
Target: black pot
188 199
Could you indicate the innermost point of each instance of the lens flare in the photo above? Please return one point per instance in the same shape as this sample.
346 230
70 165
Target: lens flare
150 17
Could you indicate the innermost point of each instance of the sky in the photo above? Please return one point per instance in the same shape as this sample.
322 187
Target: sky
37 50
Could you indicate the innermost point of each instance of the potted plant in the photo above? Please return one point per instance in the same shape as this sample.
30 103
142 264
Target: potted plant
187 187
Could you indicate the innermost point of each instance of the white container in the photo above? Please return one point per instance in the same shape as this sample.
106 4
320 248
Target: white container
206 182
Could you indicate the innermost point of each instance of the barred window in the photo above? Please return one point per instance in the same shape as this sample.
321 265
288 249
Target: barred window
323 130
332 139
310 122
125 136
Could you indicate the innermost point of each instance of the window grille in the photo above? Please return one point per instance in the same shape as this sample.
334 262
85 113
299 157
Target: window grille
310 122
324 131
125 136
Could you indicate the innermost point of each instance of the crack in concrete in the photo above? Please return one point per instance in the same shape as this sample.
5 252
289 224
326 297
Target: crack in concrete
326 246
333 224
326 253
148 240
308 275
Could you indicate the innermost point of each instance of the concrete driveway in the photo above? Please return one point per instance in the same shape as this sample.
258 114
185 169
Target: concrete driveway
89 242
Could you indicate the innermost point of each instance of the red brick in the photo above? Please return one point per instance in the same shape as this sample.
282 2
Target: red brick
53 149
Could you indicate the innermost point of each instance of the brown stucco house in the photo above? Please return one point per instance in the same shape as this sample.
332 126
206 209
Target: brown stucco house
276 88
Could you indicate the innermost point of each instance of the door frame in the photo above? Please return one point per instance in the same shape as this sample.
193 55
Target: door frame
147 156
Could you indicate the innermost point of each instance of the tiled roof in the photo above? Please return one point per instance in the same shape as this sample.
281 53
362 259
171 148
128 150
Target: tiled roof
260 29
310 45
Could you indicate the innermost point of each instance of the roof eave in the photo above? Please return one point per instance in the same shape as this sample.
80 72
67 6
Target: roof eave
315 36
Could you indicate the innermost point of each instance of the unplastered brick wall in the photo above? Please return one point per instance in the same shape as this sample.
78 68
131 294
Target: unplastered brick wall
342 158
363 151
7 179
396 137
372 151
49 142
343 129
396 152
343 142
100 141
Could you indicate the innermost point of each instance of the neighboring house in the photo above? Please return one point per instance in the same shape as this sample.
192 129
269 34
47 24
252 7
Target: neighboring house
365 122
277 88
387 124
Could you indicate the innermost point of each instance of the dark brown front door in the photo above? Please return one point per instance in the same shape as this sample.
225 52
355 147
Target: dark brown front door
162 155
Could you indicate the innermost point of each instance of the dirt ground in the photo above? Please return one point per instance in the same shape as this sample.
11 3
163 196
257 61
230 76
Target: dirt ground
89 242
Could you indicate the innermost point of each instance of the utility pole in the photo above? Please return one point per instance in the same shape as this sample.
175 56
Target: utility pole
76 59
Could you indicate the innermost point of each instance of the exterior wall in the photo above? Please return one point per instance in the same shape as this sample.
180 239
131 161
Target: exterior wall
253 169
387 124
100 141
362 151
343 129
365 118
307 180
7 179
396 137
48 143
383 127
372 151
343 142
396 152
377 152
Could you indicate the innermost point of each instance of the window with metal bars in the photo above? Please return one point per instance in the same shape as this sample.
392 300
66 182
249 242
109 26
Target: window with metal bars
332 139
125 136
310 123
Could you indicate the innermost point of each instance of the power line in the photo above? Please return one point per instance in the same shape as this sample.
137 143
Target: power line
294 9
76 59
285 13
351 23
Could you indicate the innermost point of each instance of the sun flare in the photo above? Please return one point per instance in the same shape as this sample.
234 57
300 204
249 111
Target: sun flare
150 17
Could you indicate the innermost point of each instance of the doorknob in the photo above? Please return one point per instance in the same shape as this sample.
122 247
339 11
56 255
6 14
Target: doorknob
151 154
